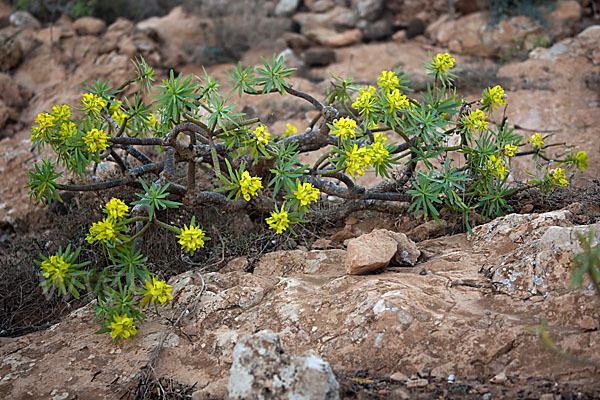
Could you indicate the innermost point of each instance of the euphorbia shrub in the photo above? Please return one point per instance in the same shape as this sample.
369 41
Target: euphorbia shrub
433 152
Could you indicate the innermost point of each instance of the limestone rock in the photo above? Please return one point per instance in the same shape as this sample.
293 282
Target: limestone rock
296 262
89 26
261 369
370 252
407 252
472 34
318 56
10 50
24 20
319 6
370 10
10 93
378 30
330 38
566 11
336 18
428 229
286 8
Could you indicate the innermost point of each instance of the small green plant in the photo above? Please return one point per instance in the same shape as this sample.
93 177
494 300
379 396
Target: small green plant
436 153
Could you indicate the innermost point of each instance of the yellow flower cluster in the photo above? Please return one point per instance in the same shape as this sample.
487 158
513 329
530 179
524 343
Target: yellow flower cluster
102 231
510 149
67 129
290 130
492 97
45 122
397 100
61 113
191 238
249 185
306 193
122 327
345 128
536 141
261 134
278 221
157 290
359 158
119 116
475 121
154 122
581 160
379 153
96 140
117 208
388 81
557 177
496 167
92 104
442 63
55 268
365 103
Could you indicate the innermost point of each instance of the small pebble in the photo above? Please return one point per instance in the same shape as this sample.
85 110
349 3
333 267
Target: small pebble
423 272
451 379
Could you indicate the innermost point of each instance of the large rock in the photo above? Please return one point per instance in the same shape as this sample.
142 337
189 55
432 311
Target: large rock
262 369
474 34
11 53
89 26
375 250
24 20
336 18
369 10
331 38
286 8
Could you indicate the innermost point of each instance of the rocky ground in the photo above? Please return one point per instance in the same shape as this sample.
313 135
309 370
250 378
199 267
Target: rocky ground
454 321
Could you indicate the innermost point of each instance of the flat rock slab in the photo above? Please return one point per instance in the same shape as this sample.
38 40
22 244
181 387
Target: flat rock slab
453 320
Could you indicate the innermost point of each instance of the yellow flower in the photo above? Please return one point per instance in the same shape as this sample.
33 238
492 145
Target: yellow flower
379 153
279 221
306 193
345 127
67 129
475 121
388 81
496 167
581 160
61 113
261 134
557 177
92 104
96 140
122 327
290 130
191 238
357 161
45 122
119 116
102 231
380 137
536 141
55 268
116 208
154 123
509 150
249 185
156 290
442 63
492 97
397 100
365 103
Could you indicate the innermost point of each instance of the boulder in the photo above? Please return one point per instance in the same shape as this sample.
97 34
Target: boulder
330 38
286 8
262 369
318 56
11 53
336 18
370 252
369 10
24 20
89 26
